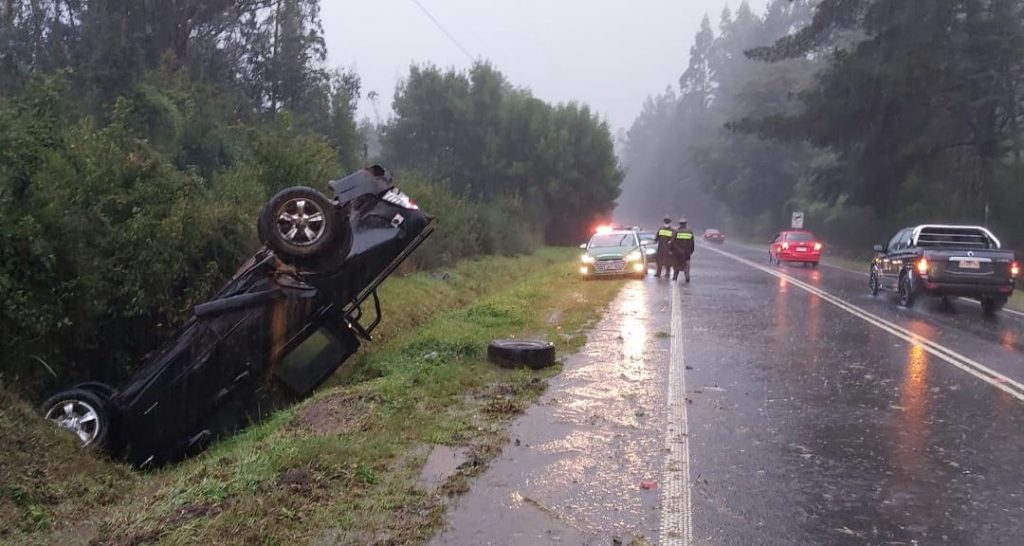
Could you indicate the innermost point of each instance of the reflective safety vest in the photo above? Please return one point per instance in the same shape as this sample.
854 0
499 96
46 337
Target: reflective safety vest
665 233
684 235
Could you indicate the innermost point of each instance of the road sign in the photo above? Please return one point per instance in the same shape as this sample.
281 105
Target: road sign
798 220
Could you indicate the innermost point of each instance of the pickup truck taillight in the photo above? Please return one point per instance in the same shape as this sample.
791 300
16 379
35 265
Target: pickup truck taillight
1015 270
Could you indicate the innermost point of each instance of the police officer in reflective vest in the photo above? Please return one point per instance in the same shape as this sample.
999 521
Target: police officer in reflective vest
682 249
663 255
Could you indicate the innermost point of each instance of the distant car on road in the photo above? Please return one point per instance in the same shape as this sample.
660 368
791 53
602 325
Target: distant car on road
945 260
613 253
288 318
714 236
796 245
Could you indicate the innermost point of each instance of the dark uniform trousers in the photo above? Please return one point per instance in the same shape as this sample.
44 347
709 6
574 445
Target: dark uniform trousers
682 249
664 253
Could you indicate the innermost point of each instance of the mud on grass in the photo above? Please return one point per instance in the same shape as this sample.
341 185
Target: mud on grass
337 468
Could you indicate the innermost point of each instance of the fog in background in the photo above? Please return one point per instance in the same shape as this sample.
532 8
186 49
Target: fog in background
866 115
610 55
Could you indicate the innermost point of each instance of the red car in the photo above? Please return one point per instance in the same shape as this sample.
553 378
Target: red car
714 236
795 246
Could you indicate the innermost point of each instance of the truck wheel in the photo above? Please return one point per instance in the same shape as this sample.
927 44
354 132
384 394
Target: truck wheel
518 353
906 292
990 305
300 222
873 282
83 413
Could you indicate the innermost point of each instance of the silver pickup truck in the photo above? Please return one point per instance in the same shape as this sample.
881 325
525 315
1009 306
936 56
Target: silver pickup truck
946 261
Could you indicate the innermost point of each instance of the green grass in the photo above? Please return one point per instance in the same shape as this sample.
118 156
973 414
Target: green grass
342 466
1017 301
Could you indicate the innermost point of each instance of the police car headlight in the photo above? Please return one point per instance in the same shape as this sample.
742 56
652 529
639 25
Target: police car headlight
650 251
587 259
633 256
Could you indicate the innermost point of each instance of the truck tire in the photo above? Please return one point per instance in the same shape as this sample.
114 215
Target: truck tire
84 413
873 285
300 223
906 290
990 305
519 353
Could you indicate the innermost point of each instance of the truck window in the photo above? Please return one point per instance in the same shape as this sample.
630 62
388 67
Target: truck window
905 239
956 237
894 244
305 366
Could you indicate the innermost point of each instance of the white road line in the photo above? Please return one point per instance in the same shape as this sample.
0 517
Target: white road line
975 302
986 374
676 507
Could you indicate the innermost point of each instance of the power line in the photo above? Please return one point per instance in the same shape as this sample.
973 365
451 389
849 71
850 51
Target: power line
445 31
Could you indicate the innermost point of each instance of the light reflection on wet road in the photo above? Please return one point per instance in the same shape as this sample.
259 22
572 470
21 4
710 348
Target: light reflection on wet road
571 472
807 424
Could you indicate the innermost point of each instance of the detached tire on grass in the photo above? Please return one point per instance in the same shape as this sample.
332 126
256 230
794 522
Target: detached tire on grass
521 353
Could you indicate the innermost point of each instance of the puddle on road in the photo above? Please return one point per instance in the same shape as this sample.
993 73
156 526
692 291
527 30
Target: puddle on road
442 463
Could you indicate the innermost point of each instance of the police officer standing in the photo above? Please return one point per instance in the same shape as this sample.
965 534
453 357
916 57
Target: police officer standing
663 255
682 249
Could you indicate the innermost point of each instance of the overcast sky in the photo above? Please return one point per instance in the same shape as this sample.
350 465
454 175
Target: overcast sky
610 54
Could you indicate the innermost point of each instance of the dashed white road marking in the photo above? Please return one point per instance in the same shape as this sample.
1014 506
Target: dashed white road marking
676 506
986 374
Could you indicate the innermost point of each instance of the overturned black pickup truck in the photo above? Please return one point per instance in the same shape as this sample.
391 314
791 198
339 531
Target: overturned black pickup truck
290 316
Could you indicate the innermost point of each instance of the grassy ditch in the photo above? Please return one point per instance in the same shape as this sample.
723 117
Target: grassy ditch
342 467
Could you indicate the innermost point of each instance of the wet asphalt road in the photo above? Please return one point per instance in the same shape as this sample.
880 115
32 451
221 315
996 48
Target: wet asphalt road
805 422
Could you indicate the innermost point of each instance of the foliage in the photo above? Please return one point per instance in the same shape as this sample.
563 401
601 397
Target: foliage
866 114
682 156
289 481
109 245
138 142
493 142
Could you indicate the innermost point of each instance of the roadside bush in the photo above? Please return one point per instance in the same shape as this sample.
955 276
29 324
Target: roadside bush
279 154
113 247
507 232
107 240
465 228
850 228
457 225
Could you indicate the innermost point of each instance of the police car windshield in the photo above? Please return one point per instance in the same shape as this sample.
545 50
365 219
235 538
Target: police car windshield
612 240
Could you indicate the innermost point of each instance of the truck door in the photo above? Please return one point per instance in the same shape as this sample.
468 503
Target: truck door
892 262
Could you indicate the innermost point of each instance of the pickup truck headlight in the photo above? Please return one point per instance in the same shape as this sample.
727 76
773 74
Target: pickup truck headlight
587 259
634 256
